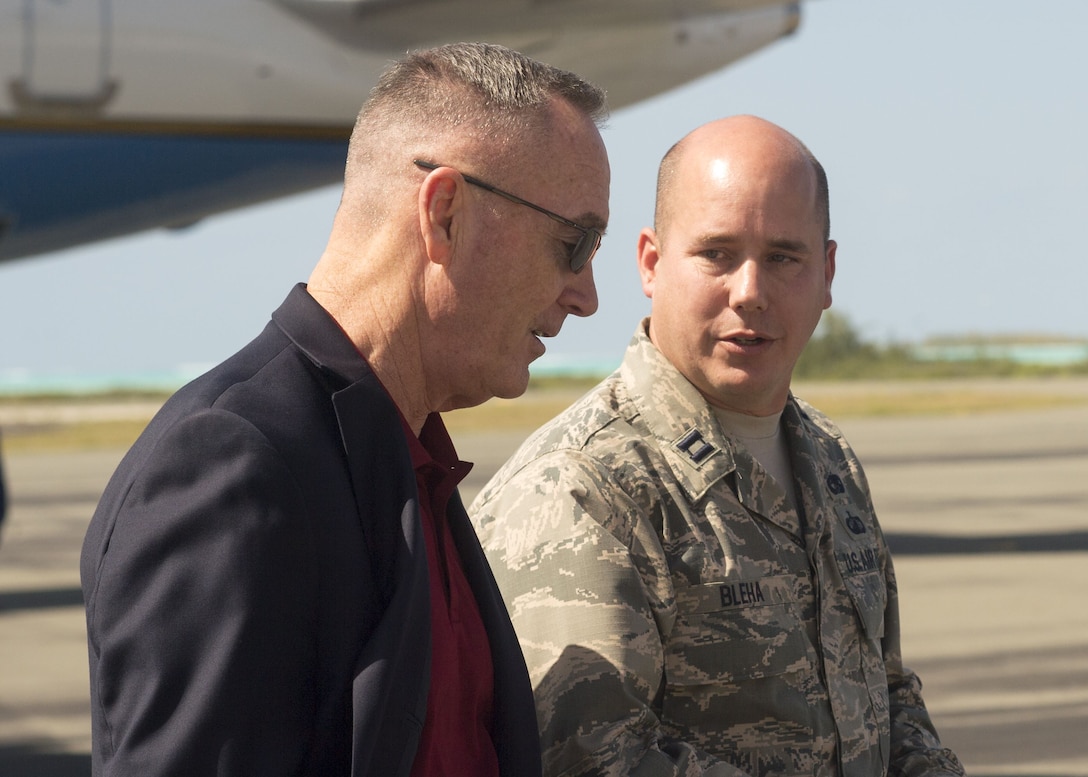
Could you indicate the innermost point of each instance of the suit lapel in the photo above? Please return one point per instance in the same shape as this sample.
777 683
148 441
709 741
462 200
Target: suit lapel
393 669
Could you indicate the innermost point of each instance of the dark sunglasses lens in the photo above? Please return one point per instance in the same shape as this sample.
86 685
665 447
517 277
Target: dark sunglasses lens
585 249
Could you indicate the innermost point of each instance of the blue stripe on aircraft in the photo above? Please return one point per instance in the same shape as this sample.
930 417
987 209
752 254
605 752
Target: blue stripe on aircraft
61 189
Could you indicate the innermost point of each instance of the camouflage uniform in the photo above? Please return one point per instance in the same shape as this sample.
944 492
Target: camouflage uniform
678 617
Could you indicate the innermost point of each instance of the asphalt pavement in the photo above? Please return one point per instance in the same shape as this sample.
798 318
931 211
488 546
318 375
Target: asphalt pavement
987 516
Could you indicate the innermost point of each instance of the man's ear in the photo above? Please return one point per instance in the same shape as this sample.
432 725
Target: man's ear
440 205
649 254
829 271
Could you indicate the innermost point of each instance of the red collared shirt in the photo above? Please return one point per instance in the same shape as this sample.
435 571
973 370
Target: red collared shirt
456 738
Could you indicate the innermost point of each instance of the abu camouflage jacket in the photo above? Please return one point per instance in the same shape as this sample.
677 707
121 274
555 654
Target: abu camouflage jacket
678 617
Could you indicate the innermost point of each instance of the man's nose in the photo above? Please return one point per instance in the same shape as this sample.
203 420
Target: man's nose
746 291
580 294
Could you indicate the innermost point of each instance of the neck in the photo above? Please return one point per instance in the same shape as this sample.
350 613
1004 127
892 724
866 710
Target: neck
376 315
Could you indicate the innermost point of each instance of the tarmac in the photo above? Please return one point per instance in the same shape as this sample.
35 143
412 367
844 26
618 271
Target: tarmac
987 516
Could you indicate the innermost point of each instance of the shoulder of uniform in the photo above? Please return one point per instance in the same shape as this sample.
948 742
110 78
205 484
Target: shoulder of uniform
827 438
592 441
577 425
815 418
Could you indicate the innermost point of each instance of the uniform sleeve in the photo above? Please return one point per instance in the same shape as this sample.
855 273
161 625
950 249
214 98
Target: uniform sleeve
584 577
916 750
200 616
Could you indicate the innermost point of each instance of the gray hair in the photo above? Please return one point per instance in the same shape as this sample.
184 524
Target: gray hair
465 91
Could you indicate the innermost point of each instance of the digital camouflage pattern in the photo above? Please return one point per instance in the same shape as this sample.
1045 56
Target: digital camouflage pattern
678 616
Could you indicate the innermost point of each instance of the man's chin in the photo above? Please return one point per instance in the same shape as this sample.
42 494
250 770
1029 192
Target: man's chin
747 392
509 388
513 388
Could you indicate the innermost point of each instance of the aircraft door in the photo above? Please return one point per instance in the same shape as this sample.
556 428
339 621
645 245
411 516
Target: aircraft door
66 56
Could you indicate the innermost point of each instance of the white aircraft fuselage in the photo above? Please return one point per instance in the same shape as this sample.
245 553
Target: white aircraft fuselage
122 115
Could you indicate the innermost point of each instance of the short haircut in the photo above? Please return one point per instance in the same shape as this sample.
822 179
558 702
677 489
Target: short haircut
467 90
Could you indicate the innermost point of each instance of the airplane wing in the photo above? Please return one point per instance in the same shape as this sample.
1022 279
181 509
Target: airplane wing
118 116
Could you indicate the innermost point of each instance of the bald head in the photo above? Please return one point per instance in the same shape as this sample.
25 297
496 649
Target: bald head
739 146
739 265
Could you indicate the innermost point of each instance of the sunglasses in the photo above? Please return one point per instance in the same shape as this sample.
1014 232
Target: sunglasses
583 250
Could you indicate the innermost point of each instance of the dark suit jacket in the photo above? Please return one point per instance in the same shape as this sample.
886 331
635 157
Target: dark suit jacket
256 579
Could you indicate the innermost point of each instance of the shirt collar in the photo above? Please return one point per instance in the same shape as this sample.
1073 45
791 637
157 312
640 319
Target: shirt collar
433 449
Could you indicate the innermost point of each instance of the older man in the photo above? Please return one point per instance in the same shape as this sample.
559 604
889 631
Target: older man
280 578
690 553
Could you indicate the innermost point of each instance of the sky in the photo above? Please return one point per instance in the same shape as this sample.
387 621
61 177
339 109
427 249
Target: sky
953 133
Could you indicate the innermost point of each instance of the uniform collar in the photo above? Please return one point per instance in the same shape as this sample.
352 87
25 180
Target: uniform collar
677 416
697 450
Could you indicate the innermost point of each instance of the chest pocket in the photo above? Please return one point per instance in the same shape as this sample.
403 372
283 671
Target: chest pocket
864 582
731 631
